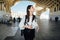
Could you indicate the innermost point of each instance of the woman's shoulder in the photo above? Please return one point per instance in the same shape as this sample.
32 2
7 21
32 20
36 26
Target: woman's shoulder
24 16
34 15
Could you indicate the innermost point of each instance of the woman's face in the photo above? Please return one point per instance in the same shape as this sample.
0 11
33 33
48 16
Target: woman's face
32 9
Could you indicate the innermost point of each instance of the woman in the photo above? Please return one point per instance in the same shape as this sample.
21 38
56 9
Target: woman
28 24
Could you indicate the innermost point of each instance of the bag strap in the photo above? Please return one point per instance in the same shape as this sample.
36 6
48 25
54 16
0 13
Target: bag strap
26 19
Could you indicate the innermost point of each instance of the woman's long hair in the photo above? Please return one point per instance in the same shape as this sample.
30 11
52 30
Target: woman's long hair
28 14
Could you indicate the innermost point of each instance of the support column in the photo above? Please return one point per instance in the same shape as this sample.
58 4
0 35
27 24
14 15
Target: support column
1 6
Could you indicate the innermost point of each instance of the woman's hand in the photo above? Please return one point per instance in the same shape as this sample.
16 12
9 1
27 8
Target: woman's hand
29 26
37 29
25 26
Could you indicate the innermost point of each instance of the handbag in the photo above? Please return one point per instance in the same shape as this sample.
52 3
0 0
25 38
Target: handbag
22 32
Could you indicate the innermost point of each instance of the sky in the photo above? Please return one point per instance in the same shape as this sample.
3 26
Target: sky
19 9
21 6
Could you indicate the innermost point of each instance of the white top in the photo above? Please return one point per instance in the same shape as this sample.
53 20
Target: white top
33 24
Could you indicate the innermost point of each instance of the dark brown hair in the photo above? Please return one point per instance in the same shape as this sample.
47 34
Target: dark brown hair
28 14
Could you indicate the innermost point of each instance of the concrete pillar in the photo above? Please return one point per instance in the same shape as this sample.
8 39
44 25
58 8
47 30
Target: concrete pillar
8 8
1 6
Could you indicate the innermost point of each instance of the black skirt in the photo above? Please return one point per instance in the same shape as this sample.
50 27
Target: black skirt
29 34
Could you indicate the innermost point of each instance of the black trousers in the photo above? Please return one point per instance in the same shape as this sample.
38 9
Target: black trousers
29 34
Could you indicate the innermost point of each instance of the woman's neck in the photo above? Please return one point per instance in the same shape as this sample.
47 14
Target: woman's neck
31 13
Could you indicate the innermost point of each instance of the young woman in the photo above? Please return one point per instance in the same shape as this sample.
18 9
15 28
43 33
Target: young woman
28 24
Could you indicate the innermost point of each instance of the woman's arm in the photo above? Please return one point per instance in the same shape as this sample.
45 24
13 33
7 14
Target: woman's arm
21 24
35 25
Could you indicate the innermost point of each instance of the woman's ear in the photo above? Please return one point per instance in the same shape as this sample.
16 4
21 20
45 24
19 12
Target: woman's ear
29 9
